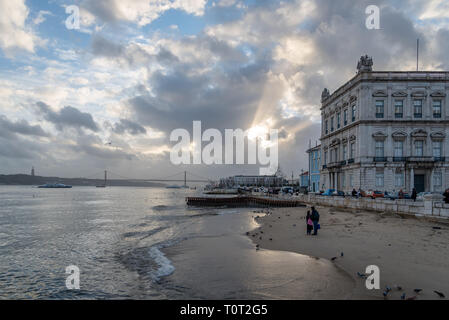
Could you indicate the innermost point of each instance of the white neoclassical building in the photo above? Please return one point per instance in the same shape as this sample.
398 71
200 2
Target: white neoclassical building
386 131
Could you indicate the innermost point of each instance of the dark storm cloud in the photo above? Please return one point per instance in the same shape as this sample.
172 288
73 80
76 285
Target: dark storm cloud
20 127
68 117
128 126
103 153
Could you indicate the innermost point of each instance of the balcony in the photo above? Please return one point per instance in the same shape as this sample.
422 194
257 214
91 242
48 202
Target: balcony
399 159
421 159
343 163
417 115
380 159
350 161
379 115
334 165
437 115
398 115
439 159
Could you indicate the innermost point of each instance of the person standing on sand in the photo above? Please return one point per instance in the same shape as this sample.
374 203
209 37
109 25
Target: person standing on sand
414 195
315 217
309 223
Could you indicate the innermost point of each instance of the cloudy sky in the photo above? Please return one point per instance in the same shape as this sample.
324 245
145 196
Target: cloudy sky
74 102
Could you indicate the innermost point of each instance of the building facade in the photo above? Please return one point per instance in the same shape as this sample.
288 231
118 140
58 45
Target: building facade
386 131
314 155
304 180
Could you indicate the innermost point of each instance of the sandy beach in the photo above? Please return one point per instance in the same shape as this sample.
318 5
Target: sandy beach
411 253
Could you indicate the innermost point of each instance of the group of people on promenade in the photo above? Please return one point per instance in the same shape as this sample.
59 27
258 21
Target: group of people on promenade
312 222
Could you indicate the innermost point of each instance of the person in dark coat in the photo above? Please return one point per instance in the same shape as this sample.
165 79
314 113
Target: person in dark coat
315 217
414 194
446 196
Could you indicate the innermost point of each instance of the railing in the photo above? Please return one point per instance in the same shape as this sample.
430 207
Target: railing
380 159
439 159
350 161
379 115
420 159
398 115
399 159
437 115
343 163
417 115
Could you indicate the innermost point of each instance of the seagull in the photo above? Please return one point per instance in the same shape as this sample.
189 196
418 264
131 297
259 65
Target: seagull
417 290
440 294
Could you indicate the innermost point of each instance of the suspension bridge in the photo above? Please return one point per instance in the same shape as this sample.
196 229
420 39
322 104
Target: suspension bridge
183 177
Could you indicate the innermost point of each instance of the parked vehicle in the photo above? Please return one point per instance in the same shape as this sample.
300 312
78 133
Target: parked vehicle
395 195
374 194
329 192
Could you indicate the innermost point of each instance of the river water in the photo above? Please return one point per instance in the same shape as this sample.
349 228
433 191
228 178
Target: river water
144 243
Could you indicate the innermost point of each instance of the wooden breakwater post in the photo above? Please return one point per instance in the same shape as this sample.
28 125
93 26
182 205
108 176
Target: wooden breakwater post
245 201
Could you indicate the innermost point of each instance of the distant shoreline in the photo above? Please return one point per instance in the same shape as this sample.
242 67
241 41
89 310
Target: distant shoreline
28 180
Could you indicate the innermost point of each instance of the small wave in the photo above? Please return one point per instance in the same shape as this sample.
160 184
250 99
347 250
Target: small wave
162 208
165 267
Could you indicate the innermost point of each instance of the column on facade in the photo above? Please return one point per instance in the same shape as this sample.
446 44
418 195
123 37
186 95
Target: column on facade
431 180
412 179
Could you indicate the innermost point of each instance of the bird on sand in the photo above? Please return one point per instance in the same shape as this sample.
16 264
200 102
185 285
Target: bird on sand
403 296
399 288
387 289
334 258
385 294
417 290
342 254
440 294
271 239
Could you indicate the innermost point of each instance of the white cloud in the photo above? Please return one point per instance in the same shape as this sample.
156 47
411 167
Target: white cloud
14 32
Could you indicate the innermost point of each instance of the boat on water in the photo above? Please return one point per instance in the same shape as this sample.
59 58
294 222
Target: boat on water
55 186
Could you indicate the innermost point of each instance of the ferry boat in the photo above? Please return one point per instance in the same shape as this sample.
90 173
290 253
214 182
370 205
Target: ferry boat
55 186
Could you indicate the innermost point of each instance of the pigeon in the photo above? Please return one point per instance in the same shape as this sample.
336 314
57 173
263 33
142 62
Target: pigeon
342 254
334 258
399 288
261 232
417 290
440 294
403 296
361 275
271 239
385 294
387 289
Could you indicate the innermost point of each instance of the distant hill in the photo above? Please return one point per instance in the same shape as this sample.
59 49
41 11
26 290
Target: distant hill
27 180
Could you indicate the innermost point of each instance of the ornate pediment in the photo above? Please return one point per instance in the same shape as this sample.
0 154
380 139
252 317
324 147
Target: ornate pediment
380 93
399 135
344 140
419 94
379 135
438 94
420 133
399 94
437 135
352 99
352 138
335 142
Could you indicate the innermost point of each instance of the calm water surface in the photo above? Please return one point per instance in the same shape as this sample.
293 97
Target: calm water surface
144 243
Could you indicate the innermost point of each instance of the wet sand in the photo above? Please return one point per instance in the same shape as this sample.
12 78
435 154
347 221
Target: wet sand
218 261
410 252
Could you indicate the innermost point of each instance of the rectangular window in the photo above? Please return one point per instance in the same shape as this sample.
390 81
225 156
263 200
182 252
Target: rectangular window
351 180
399 149
337 155
437 109
399 108
326 126
379 179
417 109
419 148
345 117
352 153
345 152
325 157
437 149
437 179
399 179
353 111
338 120
332 124
343 180
379 149
379 109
